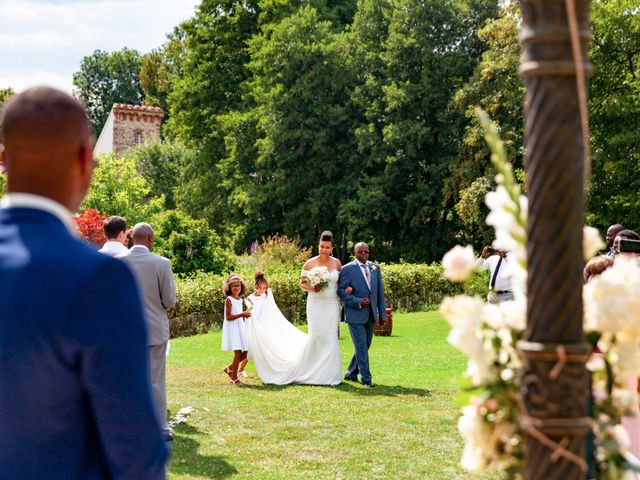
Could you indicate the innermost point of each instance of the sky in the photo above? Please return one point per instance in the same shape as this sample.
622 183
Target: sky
42 42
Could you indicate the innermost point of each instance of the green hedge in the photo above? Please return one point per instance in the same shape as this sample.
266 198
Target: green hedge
408 287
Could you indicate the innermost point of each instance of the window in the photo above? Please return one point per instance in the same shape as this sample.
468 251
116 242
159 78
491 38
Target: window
137 138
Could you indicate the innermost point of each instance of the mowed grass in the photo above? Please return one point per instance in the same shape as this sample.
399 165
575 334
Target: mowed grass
403 428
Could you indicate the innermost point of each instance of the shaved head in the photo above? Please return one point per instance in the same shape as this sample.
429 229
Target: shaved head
142 234
47 145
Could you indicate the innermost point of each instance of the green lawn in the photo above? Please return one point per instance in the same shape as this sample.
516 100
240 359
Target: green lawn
404 428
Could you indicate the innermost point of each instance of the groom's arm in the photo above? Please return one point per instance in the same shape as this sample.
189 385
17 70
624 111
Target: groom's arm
382 307
343 283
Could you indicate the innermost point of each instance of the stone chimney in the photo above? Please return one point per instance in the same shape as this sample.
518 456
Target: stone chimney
129 126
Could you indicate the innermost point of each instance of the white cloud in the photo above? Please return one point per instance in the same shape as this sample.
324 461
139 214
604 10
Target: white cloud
43 41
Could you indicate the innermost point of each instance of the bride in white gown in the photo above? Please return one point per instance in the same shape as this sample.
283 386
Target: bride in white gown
283 354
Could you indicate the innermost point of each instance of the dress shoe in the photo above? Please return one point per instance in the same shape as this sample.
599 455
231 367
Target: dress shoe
350 379
368 384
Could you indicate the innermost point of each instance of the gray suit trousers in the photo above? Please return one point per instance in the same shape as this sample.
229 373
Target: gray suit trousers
157 375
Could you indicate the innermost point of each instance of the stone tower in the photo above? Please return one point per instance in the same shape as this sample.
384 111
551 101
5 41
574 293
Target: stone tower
128 126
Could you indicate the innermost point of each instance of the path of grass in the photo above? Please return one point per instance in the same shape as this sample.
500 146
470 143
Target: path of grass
404 428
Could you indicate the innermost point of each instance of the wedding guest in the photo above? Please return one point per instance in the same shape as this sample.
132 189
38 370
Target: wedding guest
497 261
155 280
115 230
233 328
626 235
596 266
75 401
612 232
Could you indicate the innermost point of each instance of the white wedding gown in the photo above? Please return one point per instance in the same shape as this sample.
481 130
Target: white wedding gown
283 354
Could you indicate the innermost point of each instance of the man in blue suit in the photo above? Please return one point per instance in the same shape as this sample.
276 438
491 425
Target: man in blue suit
363 307
75 400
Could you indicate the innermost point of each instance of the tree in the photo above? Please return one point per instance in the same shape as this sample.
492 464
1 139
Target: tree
107 78
190 244
427 51
496 87
161 69
118 189
161 164
5 93
614 108
214 70
305 138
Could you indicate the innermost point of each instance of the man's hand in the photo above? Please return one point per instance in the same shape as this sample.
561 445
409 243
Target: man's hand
365 302
381 321
485 252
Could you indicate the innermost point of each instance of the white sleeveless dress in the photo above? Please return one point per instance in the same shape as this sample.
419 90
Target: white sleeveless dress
233 331
282 354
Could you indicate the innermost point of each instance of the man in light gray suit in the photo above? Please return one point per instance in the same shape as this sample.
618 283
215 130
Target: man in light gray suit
158 290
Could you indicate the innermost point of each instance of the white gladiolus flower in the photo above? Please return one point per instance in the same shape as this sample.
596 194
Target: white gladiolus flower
591 242
459 263
476 433
620 435
464 314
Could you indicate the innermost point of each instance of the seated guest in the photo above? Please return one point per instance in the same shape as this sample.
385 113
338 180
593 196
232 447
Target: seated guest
596 266
115 229
75 399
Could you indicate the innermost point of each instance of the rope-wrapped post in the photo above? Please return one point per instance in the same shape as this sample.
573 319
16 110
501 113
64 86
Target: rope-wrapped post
555 383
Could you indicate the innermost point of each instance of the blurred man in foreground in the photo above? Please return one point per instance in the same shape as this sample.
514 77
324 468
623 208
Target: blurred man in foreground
75 401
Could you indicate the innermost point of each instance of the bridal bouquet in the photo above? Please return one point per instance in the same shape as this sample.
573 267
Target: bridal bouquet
318 277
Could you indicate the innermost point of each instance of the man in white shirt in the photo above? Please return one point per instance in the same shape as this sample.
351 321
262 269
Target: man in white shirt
115 229
497 261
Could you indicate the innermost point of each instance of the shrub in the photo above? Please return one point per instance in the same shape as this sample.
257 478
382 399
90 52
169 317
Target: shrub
91 226
408 287
276 253
190 244
117 189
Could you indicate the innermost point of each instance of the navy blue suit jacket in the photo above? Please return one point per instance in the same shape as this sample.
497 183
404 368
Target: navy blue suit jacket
75 400
351 275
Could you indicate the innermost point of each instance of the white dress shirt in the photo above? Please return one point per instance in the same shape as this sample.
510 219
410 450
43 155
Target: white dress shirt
38 202
503 279
113 248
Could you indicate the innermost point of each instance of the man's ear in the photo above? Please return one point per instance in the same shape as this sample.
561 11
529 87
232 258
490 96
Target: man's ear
85 160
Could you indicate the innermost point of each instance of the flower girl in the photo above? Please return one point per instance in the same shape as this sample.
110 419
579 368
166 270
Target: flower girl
233 328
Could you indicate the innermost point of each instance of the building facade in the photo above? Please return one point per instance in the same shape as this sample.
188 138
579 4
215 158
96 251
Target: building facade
128 126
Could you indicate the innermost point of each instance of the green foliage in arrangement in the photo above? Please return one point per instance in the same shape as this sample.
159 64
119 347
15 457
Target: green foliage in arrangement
408 287
161 165
118 189
190 244
106 78
3 183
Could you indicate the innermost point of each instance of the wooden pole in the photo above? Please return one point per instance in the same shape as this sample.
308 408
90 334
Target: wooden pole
554 383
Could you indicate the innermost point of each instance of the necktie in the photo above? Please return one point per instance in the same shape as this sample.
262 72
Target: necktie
366 274
495 275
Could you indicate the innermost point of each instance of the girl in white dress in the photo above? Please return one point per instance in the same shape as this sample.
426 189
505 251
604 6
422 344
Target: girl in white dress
233 328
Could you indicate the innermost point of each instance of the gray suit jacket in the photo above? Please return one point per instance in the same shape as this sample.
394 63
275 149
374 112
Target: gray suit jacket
157 288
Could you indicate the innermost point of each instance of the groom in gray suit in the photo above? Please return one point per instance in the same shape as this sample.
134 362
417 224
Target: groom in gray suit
362 309
158 290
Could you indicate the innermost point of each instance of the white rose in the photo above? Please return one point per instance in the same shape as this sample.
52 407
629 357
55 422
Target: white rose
625 400
459 263
591 242
620 435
